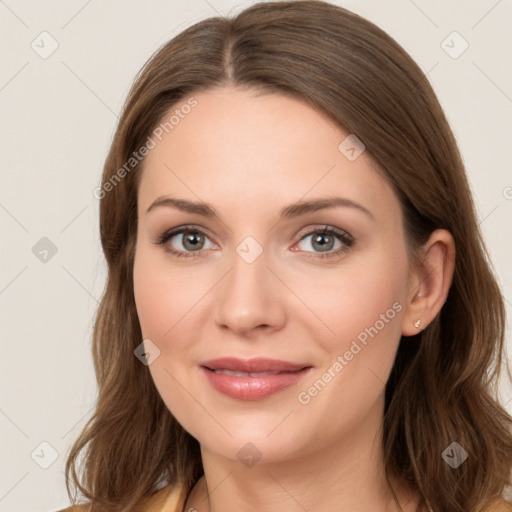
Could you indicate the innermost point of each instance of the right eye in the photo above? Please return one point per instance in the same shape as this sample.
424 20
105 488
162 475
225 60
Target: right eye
191 240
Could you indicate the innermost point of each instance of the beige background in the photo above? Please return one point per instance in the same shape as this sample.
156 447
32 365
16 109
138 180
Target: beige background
57 118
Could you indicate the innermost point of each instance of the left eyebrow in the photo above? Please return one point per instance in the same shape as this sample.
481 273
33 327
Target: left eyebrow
303 207
288 212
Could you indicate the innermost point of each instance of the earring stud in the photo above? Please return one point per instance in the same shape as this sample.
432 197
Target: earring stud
417 324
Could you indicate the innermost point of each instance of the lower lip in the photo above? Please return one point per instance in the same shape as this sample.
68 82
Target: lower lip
253 388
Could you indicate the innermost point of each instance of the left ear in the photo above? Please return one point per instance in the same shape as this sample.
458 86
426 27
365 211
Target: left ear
429 282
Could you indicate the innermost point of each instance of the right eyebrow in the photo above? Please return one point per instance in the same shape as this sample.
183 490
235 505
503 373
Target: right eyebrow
199 208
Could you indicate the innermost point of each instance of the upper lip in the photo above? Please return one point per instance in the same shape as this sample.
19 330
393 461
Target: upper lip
259 364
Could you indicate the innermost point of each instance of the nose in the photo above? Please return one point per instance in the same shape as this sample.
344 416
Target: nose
251 297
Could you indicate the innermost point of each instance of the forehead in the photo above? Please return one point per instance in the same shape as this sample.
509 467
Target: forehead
238 148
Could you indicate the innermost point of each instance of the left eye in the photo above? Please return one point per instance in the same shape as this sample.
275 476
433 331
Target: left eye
325 239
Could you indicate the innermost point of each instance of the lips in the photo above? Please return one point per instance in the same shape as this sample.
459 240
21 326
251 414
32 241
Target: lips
245 374
253 379
258 365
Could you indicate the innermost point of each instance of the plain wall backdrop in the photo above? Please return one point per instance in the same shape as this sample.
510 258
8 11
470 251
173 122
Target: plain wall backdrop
66 69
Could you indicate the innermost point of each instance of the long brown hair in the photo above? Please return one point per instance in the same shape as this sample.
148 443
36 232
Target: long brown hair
442 387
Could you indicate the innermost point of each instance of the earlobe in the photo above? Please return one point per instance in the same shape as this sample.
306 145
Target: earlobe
431 279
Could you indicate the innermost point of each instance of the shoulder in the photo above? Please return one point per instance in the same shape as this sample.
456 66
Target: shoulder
74 508
498 505
170 498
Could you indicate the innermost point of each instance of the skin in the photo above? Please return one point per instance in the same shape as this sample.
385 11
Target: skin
250 155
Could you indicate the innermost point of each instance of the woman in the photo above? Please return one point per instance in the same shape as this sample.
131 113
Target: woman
290 319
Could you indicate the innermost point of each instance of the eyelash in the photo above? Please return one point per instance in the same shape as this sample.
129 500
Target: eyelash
341 235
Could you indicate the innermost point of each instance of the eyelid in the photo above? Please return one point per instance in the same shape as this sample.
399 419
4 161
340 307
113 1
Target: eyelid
320 228
164 237
346 239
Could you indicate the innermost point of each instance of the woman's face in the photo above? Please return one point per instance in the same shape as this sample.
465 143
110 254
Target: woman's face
251 283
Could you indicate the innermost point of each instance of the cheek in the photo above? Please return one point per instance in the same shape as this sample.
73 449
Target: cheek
361 312
162 301
152 302
162 295
367 292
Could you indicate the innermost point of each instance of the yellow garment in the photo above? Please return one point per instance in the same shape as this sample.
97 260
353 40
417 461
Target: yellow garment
172 499
168 499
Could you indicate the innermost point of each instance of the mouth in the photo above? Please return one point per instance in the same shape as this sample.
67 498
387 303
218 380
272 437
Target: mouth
255 365
252 379
245 374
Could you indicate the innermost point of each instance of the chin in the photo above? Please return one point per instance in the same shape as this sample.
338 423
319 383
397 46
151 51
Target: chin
252 446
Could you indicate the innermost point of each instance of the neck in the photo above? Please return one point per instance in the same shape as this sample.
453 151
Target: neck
344 474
